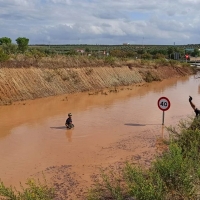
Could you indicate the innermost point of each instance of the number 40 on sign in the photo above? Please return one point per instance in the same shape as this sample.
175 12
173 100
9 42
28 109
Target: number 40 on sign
164 105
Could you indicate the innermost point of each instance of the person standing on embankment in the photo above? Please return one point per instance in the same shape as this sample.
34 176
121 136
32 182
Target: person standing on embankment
196 110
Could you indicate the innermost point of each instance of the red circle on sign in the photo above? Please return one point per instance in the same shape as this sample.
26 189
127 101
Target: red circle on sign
163 103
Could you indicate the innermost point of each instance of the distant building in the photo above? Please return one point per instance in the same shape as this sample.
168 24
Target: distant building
189 50
177 56
80 50
125 43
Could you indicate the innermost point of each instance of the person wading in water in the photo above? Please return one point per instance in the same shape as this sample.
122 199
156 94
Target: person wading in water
68 122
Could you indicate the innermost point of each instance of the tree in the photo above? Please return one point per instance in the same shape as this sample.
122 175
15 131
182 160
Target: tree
175 50
181 51
22 43
87 50
163 51
5 40
170 50
195 52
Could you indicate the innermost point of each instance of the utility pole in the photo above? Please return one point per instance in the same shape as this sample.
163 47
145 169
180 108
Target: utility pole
143 42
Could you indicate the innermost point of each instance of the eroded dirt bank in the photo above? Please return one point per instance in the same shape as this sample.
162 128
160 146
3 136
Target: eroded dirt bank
23 83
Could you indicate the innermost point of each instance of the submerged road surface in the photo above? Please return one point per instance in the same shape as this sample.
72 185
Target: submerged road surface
110 127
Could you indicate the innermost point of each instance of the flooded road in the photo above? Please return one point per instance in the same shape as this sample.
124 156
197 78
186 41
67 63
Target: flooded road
109 127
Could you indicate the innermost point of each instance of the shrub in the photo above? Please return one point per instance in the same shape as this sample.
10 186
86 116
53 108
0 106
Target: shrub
144 184
159 56
147 56
109 188
162 61
36 53
9 48
173 175
149 77
33 191
3 56
118 53
173 62
184 64
174 170
110 60
72 52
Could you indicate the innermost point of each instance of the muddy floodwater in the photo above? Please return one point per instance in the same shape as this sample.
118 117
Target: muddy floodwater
110 127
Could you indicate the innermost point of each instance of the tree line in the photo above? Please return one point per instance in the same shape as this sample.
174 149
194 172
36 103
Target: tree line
171 52
7 48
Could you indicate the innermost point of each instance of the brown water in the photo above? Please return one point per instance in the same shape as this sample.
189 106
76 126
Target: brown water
108 128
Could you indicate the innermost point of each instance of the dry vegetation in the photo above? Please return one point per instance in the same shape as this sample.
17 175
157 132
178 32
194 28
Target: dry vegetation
58 61
30 77
175 174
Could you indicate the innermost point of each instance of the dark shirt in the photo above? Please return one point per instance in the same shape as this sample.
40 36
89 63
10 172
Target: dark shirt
197 112
69 121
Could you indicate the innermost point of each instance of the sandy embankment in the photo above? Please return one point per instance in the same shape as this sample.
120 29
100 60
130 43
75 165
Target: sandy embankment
21 81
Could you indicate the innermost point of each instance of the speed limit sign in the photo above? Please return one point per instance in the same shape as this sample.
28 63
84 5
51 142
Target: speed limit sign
163 103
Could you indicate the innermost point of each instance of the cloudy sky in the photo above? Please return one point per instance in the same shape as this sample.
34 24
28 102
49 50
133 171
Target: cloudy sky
101 21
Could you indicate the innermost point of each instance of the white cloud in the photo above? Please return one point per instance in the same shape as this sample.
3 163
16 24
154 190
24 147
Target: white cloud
95 21
60 1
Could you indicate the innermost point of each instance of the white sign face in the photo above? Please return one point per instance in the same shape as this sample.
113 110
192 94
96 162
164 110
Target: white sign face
164 103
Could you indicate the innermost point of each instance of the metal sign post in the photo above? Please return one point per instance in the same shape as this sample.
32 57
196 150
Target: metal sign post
163 118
